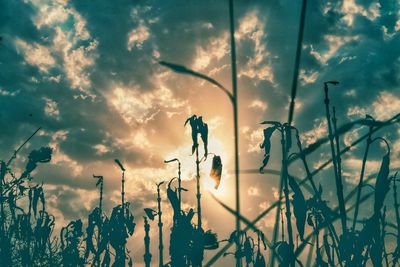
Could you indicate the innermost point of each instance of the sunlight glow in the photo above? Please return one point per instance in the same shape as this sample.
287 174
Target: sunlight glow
208 184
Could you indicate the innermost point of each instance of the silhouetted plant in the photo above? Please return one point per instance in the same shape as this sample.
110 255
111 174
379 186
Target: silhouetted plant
181 231
97 231
25 240
71 237
286 144
121 226
150 213
259 260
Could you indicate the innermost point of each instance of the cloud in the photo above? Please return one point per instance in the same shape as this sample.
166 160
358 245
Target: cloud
258 104
319 130
51 108
69 48
386 105
137 107
308 77
251 28
137 37
383 107
76 62
334 43
101 149
214 50
36 55
253 191
351 9
254 139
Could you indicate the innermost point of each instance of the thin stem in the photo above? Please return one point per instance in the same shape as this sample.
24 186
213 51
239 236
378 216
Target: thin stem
160 226
339 173
297 61
179 186
283 227
360 183
310 252
21 146
287 197
235 116
276 225
123 211
198 195
147 254
396 209
339 186
385 254
331 228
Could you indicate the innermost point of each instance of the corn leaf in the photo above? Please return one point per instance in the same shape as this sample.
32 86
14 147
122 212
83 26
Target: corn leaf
382 183
266 144
299 206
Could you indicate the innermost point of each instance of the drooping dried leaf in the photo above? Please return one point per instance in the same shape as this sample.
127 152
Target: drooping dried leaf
150 213
36 195
173 198
248 250
41 197
195 131
203 130
210 240
283 250
129 220
299 206
235 236
267 145
3 170
216 170
260 261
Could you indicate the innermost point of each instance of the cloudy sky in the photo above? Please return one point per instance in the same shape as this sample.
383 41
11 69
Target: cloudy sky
86 72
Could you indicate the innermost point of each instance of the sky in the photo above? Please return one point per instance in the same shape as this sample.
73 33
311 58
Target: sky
87 73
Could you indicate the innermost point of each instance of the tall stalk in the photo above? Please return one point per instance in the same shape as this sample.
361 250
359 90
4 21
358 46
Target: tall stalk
297 61
100 182
276 225
383 234
361 180
160 226
331 228
147 254
396 254
235 116
3 170
339 185
123 256
198 193
287 197
338 156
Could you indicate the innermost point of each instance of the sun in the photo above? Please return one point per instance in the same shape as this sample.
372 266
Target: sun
208 184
